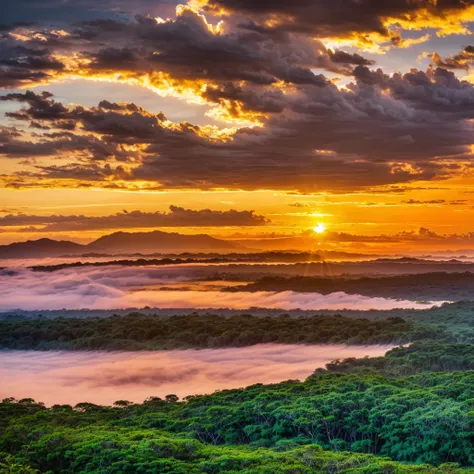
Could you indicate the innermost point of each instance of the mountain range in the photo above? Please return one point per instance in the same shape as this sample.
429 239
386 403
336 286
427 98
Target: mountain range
118 243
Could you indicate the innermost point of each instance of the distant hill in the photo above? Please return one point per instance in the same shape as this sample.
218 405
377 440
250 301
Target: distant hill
117 243
40 248
157 241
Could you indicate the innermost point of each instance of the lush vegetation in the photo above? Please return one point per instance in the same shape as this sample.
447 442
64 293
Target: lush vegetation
425 356
141 332
187 258
402 413
103 448
425 418
434 286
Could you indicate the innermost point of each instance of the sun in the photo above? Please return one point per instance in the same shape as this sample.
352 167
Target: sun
319 229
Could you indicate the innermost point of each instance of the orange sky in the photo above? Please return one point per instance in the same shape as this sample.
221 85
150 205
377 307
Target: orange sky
350 126
367 213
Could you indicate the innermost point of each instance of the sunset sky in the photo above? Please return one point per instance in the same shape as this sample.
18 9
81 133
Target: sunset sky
239 118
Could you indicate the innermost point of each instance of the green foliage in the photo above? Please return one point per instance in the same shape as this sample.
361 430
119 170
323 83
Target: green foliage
426 418
402 413
436 286
423 356
141 332
8 465
101 449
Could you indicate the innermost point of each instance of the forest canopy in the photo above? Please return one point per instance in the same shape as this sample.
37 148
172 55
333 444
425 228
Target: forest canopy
281 428
144 332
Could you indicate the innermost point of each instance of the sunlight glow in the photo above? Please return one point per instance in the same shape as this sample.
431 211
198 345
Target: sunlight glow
319 229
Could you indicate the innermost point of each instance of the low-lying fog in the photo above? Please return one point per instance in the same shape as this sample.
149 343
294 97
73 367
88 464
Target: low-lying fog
124 287
104 377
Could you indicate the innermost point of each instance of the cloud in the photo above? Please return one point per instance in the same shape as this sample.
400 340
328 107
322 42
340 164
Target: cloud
54 12
125 142
122 287
260 71
420 203
186 48
300 205
103 378
22 65
366 20
435 202
176 217
363 21
422 235
463 60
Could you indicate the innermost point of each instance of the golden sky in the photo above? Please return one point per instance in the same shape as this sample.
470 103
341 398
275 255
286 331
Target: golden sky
239 119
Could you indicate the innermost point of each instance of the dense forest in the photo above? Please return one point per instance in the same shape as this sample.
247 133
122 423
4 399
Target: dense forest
186 258
425 356
436 286
281 428
142 332
402 413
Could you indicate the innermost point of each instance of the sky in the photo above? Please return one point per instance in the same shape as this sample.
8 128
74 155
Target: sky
240 119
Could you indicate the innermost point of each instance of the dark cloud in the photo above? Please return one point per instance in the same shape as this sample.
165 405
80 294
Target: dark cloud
463 60
30 59
339 56
176 217
14 145
21 65
187 48
436 90
341 18
64 12
40 105
382 130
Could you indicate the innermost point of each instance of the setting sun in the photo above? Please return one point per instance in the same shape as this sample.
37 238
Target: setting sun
319 229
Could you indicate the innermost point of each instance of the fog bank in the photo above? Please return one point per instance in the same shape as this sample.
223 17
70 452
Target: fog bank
125 287
104 377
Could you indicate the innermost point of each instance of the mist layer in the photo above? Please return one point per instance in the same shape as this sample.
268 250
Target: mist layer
123 287
104 377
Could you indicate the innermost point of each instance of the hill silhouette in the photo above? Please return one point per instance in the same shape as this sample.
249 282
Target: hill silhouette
40 248
118 242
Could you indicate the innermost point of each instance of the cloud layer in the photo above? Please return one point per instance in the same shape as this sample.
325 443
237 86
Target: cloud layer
176 217
103 378
462 60
354 19
122 287
266 69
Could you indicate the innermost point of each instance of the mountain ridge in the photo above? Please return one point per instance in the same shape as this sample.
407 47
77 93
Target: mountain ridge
154 241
